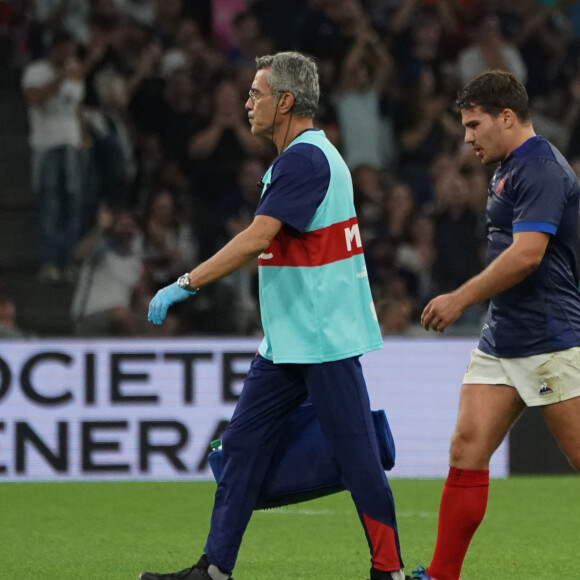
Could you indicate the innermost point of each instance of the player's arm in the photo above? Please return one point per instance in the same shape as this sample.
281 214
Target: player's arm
246 246
508 269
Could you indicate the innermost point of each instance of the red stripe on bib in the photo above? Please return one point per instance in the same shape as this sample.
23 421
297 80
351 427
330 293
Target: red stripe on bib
316 248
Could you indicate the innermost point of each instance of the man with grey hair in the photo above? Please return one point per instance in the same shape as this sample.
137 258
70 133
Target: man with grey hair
318 319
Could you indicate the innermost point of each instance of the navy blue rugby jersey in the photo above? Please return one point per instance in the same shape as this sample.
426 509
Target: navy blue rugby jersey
535 189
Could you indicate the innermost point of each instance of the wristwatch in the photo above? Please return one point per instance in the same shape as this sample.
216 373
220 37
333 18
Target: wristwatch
183 282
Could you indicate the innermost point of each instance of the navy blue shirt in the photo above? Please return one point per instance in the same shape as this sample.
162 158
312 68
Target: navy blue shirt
297 185
535 189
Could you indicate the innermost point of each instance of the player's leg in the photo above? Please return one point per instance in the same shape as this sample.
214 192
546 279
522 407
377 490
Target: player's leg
486 413
339 396
554 385
563 418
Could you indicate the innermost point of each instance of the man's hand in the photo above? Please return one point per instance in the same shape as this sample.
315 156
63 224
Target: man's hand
441 312
165 298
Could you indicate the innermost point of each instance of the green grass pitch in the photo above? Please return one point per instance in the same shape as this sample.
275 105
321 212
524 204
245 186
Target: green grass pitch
112 531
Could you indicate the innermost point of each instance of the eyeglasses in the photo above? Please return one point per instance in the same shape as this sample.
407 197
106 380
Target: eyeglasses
256 95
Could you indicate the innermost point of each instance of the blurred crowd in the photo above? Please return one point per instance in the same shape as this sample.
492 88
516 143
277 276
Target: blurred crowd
143 162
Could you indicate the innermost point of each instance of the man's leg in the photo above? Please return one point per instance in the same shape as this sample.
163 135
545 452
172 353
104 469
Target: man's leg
72 210
48 183
269 396
564 421
339 396
486 414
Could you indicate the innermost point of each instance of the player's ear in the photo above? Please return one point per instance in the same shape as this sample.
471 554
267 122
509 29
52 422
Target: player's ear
508 117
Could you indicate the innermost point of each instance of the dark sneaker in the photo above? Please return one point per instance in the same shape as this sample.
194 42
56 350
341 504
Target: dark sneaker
197 572
420 574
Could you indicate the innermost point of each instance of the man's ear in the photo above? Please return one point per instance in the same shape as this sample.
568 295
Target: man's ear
286 103
508 117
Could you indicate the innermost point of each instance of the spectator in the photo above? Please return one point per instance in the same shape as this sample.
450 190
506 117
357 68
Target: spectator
224 14
543 36
171 177
572 118
416 40
53 88
369 195
175 118
575 164
241 205
146 81
281 20
477 178
554 116
366 136
133 40
380 255
54 16
217 151
322 32
399 207
8 325
416 257
245 314
108 299
490 50
102 53
326 118
187 33
141 11
394 314
459 238
426 128
112 165
248 40
206 64
573 14
383 233
166 240
105 8
167 19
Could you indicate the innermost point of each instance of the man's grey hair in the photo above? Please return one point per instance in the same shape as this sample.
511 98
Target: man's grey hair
295 73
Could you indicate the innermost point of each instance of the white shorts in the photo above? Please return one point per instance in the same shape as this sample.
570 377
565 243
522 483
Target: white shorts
541 379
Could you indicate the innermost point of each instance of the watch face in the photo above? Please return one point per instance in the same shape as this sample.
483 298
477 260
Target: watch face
183 281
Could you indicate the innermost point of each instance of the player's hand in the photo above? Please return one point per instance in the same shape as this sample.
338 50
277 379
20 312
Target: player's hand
441 312
164 299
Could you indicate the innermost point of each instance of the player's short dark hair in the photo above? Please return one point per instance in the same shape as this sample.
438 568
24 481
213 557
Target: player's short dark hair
493 91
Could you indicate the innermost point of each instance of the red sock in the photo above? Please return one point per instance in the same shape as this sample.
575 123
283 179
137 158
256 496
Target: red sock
462 508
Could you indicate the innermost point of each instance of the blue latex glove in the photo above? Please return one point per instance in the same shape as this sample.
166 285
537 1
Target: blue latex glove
164 299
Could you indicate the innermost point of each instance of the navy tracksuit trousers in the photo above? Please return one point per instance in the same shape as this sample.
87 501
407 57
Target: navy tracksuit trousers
270 394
